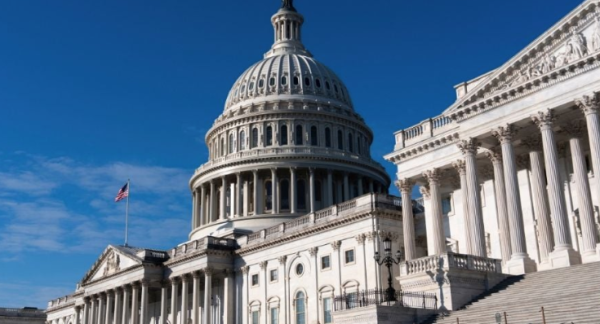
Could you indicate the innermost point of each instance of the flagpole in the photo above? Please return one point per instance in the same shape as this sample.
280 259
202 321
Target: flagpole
127 211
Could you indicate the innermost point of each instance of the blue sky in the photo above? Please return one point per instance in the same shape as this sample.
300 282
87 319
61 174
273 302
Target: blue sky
93 93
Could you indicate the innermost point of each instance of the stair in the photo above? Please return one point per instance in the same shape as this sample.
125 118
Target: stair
568 295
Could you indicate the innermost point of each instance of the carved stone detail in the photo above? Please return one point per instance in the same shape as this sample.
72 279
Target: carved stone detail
336 245
589 104
405 185
460 166
313 251
504 133
263 264
113 263
424 190
468 146
282 259
245 269
360 239
534 143
432 176
494 155
544 120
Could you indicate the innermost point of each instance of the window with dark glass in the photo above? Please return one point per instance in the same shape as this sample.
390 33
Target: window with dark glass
284 135
325 262
318 191
269 195
299 135
261 83
358 140
222 146
296 80
272 81
274 275
269 136
327 309
254 138
242 140
349 256
307 81
300 308
255 280
314 136
230 144
284 80
350 146
318 83
340 139
327 137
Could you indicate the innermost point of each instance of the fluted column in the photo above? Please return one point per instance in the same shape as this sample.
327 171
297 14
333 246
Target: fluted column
584 196
590 106
92 317
461 168
208 295
195 297
501 212
346 187
117 313
274 196
174 296
109 301
194 209
408 223
86 310
203 220
520 262
101 311
135 303
292 190
144 318
211 204
312 189
228 298
126 300
77 314
223 207
164 296
437 221
238 195
185 280
329 187
563 254
540 202
255 189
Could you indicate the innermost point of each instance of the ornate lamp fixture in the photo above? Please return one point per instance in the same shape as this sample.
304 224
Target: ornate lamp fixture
388 261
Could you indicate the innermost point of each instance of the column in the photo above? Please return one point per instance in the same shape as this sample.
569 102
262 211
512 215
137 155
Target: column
584 196
229 291
174 296
501 212
292 190
109 301
477 234
86 310
144 302
437 222
245 297
540 202
255 195
93 306
223 207
590 106
274 196
461 168
126 301
329 187
185 280
246 198
312 189
77 314
360 185
194 209
211 204
135 303
346 187
195 297
408 223
203 220
313 317
563 254
118 306
239 195
100 311
164 295
208 295
520 262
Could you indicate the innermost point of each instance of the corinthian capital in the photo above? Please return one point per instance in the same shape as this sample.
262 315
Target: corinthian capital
282 259
405 185
543 119
424 190
534 143
589 104
460 166
468 146
494 156
574 129
432 176
504 134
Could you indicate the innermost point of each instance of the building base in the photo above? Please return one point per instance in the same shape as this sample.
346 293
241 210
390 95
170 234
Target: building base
564 258
519 266
379 314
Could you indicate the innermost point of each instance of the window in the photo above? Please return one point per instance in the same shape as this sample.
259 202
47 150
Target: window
222 146
307 81
273 275
350 146
318 83
274 315
230 144
300 308
299 269
340 139
255 280
327 318
284 135
283 80
255 317
358 140
299 134
254 138
251 87
314 139
269 195
272 81
349 256
269 136
261 83
327 85
327 137
325 262
296 80
447 205
242 140
284 191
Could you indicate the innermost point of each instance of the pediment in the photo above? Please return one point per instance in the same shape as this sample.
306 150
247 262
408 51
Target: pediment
113 260
571 44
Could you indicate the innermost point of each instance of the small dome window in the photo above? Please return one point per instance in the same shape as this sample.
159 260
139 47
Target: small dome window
236 92
272 81
243 88
261 83
327 85
307 81
283 80
296 81
299 269
251 86
336 88
318 83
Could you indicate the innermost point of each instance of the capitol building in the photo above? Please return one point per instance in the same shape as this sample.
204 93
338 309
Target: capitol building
292 221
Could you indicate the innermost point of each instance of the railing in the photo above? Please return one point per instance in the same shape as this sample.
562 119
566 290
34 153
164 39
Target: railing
22 312
448 261
201 244
61 301
379 297
425 129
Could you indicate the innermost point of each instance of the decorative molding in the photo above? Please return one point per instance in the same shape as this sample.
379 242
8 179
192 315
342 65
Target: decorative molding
589 104
460 167
544 120
494 155
336 245
574 129
263 265
432 176
469 146
360 239
282 259
534 142
313 251
405 185
424 190
505 134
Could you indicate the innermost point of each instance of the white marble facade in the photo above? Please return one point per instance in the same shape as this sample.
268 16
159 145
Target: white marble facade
290 208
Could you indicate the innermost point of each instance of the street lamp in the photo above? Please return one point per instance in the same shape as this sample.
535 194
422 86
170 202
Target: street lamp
388 260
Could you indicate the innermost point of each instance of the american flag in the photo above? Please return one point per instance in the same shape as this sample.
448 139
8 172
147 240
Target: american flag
123 193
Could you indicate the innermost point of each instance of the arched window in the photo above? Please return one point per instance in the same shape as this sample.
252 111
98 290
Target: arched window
242 140
340 139
327 137
296 81
307 81
284 191
269 135
301 199
314 136
300 308
284 135
222 146
358 142
268 195
230 144
254 138
299 135
350 146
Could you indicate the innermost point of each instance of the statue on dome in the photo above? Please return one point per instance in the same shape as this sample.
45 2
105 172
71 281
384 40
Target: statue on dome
288 4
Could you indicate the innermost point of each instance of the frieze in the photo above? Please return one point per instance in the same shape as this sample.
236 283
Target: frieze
413 152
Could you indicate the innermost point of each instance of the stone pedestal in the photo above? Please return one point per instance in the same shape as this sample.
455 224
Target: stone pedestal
519 266
564 258
456 278
379 314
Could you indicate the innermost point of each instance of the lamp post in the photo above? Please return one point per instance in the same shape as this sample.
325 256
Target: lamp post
388 260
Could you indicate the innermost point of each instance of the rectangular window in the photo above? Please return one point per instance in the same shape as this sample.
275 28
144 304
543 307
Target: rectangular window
349 256
327 318
273 275
274 315
325 262
255 280
255 317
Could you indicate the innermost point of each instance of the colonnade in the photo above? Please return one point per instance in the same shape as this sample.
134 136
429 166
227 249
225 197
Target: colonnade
549 204
277 190
129 304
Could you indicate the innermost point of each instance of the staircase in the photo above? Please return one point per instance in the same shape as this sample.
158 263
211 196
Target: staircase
568 295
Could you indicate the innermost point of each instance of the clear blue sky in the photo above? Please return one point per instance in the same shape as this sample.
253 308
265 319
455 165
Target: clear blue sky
95 92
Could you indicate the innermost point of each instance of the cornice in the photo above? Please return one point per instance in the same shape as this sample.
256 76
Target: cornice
422 148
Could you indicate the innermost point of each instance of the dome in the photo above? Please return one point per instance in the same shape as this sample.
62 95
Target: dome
294 75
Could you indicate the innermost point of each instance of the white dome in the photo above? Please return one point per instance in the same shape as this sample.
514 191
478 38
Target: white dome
294 74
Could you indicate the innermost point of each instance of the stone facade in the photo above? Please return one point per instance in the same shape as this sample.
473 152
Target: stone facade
25 315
